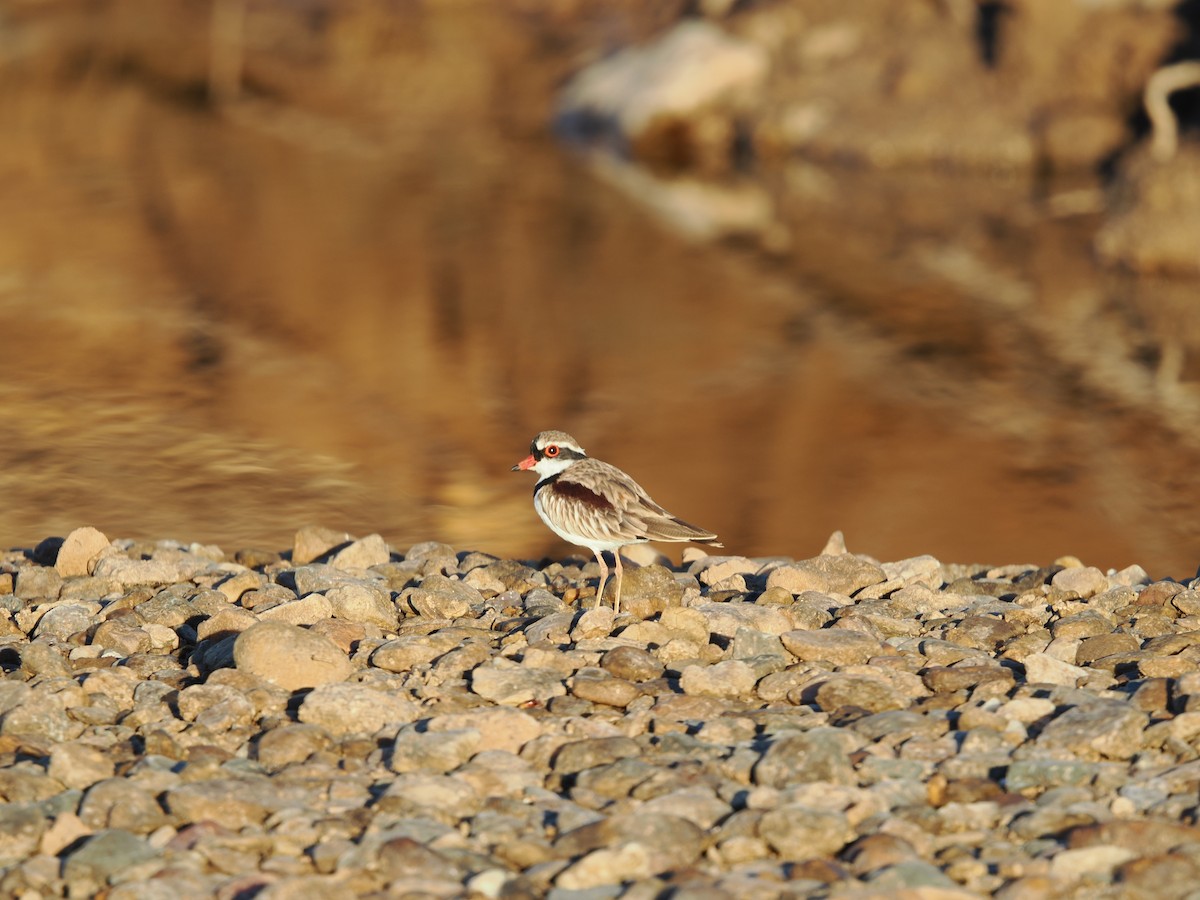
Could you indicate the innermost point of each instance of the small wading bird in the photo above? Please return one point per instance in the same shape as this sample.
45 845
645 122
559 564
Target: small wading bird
595 505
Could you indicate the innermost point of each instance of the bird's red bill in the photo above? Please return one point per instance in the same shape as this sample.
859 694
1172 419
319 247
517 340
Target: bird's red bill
527 463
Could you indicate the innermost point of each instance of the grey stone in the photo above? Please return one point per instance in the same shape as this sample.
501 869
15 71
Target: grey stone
363 603
517 685
725 619
429 550
647 590
361 554
900 724
36 719
587 754
982 680
1099 646
618 779
1086 581
632 664
232 620
837 646
594 623
732 774
239 584
748 643
1105 729
315 579
119 803
513 575
156 570
456 663
79 552
122 635
289 656
863 691
554 628
21 829
842 574
37 583
818 755
105 854
229 802
715 569
424 751
981 632
403 857
911 874
312 542
79 765
346 708
440 597
289 744
166 608
412 793
405 653
42 658
307 610
1042 668
599 874
215 706
597 686
499 773
801 832
925 570
730 678
671 843
699 804
500 728
64 621
540 602
1081 625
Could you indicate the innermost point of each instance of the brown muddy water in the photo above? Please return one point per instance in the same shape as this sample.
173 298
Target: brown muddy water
223 323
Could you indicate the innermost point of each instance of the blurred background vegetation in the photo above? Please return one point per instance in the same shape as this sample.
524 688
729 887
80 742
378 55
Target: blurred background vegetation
921 270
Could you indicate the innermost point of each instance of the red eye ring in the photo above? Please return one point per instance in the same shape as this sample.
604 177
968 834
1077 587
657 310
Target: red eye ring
552 450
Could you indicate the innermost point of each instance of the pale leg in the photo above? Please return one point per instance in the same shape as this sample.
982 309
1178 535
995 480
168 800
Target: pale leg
603 575
617 601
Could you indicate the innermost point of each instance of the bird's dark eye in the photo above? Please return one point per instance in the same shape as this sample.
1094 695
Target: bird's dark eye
552 450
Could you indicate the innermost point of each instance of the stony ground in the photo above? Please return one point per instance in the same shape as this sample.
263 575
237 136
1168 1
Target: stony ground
342 720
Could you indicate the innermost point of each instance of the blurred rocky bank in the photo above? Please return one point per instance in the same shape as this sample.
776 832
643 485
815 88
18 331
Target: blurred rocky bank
340 719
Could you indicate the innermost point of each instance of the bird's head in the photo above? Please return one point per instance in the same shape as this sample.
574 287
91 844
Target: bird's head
550 453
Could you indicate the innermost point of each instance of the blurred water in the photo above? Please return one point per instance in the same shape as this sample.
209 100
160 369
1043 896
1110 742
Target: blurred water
220 327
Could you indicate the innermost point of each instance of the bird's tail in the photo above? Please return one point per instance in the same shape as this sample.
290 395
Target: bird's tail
679 530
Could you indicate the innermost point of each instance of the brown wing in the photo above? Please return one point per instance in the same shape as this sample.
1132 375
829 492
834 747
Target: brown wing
622 508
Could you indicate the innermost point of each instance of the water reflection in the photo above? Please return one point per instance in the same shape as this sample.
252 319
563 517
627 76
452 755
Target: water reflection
217 333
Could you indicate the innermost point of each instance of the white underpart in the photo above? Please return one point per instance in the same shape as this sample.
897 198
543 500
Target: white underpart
594 545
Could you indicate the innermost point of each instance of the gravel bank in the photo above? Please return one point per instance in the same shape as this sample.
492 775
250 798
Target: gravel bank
342 720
